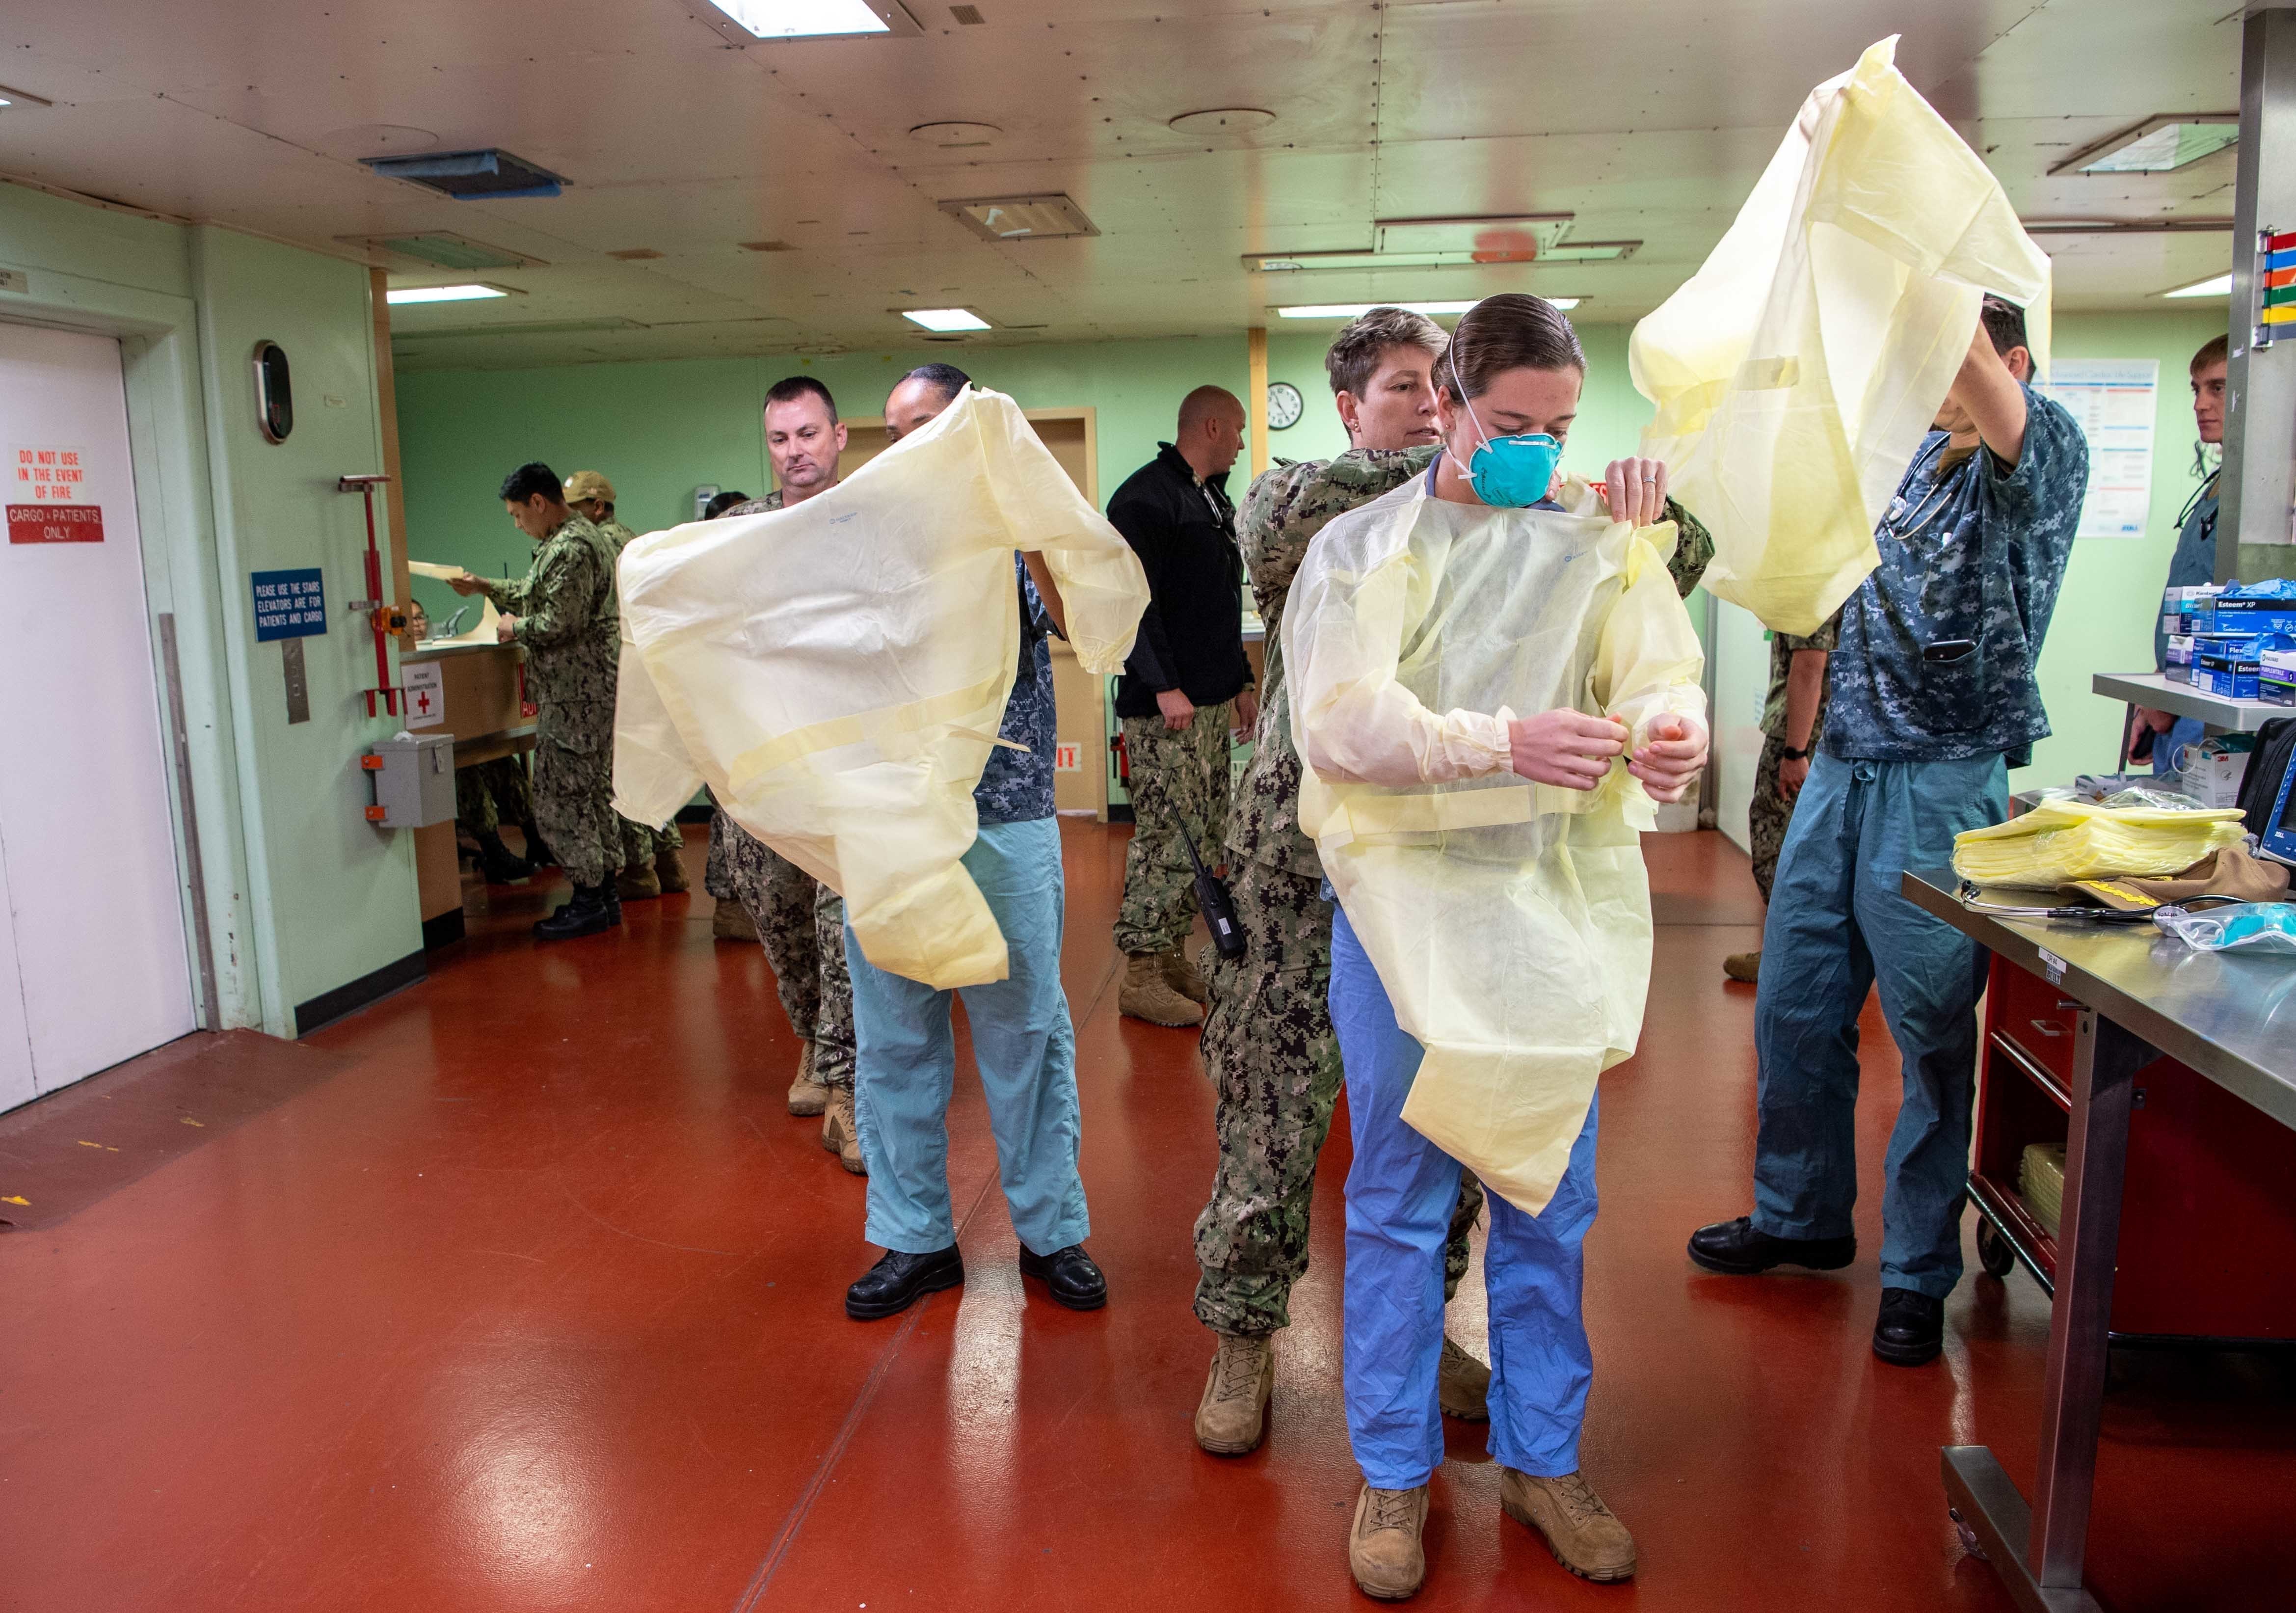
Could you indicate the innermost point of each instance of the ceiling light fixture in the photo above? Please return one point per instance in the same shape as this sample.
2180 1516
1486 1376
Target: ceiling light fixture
2221 287
745 22
1356 310
398 295
944 318
2161 144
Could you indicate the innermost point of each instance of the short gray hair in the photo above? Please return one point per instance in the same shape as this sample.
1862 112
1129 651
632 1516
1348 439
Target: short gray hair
1354 353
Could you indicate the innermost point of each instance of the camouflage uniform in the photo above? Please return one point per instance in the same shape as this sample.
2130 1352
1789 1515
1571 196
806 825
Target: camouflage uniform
568 622
488 795
717 879
1771 811
1175 778
801 924
640 844
800 921
1267 1041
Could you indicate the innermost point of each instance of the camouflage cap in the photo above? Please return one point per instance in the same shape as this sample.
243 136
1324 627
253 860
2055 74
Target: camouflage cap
588 484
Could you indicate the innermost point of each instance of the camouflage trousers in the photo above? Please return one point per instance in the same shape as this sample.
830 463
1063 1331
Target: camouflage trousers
640 845
802 923
1176 779
1767 816
574 791
717 879
491 794
1274 1063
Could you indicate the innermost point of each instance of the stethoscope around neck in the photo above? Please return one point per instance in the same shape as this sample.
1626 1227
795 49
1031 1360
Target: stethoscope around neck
1938 499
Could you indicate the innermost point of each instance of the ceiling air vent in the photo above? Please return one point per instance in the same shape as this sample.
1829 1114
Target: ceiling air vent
470 176
968 15
442 248
1021 218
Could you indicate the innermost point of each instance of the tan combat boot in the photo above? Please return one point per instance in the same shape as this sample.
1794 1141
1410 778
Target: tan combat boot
637 883
1464 1384
1585 1535
1745 966
669 869
840 1134
1232 1414
1181 973
1148 994
807 1096
731 922
1383 1549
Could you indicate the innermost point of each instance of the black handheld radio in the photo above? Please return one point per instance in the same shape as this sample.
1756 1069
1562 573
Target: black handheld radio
1213 897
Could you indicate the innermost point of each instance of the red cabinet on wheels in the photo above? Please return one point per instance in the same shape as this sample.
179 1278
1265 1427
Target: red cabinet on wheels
2208 1223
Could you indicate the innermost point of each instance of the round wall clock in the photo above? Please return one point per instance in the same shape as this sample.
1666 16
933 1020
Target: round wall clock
1284 405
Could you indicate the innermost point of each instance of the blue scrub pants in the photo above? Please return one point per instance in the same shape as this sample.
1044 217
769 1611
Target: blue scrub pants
1839 924
1402 1191
1021 1041
2187 731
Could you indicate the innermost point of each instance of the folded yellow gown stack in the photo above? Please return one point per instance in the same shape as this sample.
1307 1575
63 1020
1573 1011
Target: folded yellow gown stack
2059 841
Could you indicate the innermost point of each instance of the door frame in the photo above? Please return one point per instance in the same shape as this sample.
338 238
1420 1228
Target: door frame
160 361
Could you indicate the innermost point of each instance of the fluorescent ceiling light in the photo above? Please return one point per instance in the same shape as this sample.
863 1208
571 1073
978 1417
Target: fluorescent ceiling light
803 19
2221 287
2161 144
441 293
944 318
1356 310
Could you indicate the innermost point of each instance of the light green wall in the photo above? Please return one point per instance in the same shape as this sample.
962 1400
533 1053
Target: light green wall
659 429
302 896
2112 593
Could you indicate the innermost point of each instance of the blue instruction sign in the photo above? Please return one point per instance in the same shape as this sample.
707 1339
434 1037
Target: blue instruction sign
289 604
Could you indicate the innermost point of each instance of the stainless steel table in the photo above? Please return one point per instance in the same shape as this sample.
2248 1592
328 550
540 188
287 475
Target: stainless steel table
2141 994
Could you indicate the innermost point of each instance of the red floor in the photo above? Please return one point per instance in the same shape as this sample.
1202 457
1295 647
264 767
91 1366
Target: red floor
521 1290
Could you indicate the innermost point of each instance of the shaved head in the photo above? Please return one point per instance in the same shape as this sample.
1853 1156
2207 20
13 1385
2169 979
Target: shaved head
1211 430
1207 403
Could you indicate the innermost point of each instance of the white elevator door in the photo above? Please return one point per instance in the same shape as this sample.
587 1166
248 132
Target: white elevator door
95 958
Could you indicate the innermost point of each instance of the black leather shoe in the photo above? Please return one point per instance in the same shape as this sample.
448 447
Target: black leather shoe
1911 1329
899 1280
1734 1246
591 910
1069 1274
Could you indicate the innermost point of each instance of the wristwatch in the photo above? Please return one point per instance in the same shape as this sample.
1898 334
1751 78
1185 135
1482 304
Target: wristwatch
1789 753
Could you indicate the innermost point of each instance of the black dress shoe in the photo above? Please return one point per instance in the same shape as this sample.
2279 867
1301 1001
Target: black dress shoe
899 1280
1734 1246
1069 1274
1911 1329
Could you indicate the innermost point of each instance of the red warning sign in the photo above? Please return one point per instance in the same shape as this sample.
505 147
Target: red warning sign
55 523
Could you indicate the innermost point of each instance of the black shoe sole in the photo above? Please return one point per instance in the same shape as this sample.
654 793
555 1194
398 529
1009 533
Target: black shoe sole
1910 1355
1750 1269
1091 1303
575 932
934 1284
